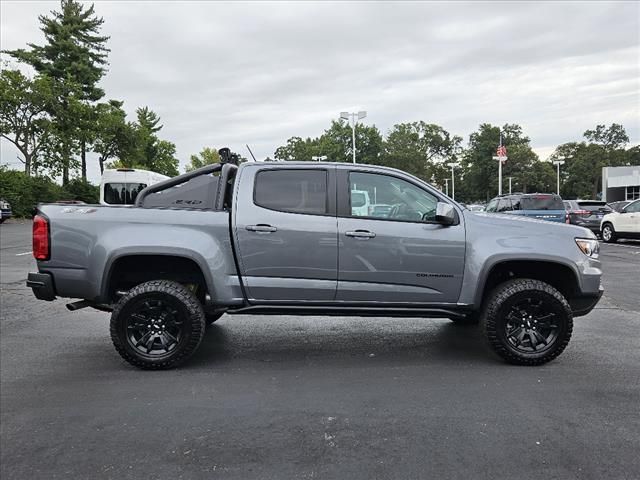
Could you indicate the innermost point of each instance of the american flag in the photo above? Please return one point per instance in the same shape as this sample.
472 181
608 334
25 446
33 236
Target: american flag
502 151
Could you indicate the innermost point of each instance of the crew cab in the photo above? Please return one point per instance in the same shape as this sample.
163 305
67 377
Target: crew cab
274 238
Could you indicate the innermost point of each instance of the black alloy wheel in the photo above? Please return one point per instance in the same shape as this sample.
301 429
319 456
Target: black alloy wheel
154 326
157 324
527 322
530 325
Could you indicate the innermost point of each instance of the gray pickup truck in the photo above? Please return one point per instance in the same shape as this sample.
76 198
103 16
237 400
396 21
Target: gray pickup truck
288 238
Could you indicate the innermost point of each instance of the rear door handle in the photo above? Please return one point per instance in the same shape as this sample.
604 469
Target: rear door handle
261 228
360 234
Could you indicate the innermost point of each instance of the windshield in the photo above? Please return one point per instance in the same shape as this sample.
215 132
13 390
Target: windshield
595 206
542 202
122 193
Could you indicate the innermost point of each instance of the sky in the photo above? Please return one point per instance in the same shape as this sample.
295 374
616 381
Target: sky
235 73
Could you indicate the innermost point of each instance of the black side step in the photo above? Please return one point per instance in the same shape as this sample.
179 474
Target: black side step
348 311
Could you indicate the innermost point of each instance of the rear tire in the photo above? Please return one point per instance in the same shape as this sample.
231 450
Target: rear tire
157 325
527 322
609 233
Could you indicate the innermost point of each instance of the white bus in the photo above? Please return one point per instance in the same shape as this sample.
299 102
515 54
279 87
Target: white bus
122 186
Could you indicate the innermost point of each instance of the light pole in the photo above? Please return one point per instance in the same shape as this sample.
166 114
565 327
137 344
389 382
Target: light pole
510 185
446 187
353 117
501 157
557 163
453 180
321 158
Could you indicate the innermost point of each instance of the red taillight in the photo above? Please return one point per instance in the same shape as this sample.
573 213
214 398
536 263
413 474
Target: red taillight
40 238
582 213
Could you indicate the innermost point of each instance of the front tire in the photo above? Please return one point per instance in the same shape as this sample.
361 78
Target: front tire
157 325
609 233
527 322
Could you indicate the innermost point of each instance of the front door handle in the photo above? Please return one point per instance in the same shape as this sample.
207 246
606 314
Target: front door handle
360 234
261 228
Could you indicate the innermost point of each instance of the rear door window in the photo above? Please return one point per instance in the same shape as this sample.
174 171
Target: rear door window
294 191
542 202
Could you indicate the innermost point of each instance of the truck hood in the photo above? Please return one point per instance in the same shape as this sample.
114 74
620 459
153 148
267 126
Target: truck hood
501 223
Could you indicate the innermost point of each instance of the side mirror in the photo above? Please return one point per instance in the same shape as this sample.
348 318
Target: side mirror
445 214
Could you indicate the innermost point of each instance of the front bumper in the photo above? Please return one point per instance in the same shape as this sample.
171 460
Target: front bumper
583 304
42 286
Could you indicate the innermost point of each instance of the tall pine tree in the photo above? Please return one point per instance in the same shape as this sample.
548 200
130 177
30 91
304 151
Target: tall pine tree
74 57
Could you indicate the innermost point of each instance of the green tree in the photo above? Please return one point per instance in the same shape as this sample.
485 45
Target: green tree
148 151
481 171
422 149
610 138
24 120
298 150
337 144
581 176
75 58
114 137
207 156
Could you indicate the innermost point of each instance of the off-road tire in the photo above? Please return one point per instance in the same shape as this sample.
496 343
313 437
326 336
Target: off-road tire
188 310
211 318
498 313
609 233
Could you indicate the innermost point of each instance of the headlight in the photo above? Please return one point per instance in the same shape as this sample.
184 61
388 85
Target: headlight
589 246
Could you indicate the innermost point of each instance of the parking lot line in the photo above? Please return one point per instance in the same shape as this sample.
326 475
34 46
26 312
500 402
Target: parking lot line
21 254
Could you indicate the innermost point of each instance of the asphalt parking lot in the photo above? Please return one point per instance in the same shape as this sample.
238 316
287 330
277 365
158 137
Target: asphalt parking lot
316 397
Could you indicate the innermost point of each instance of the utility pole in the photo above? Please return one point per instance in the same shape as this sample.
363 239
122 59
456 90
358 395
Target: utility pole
453 179
501 157
446 187
557 163
353 117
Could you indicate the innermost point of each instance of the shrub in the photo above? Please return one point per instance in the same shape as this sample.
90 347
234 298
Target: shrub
24 192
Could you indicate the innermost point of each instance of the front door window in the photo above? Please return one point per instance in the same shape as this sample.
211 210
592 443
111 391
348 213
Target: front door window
389 198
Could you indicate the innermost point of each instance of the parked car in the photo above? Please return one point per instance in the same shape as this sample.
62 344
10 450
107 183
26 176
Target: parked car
121 186
623 224
360 203
544 206
380 210
618 206
282 238
586 213
5 210
476 208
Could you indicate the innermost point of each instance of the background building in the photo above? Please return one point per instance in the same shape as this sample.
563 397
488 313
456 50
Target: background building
620 183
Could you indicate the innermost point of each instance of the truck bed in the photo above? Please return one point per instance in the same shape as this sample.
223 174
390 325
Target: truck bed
86 241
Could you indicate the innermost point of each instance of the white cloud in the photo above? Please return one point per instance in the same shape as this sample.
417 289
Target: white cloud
223 73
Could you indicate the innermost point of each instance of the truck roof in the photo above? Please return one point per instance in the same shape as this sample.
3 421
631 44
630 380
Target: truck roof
344 165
